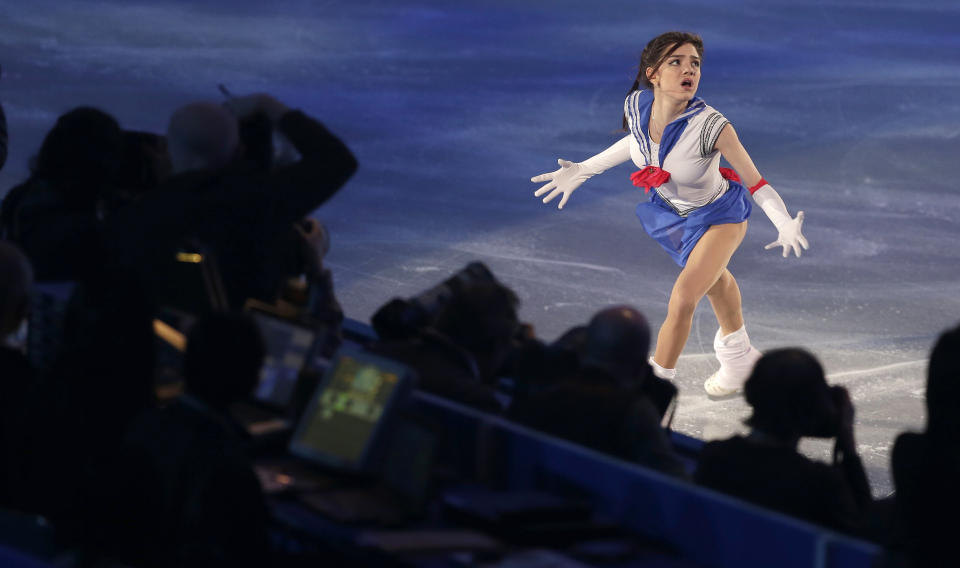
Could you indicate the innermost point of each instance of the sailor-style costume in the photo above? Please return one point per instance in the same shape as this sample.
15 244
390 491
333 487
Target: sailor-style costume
691 194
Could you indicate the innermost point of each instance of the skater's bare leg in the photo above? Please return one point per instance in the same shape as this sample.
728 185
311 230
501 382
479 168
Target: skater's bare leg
706 264
724 296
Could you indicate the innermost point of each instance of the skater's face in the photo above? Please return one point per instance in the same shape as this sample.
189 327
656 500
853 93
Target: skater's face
679 74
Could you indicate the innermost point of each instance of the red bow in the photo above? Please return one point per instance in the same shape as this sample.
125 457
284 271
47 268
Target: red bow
652 176
729 174
649 177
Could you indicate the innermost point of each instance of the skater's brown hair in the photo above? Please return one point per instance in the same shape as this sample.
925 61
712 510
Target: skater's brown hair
656 52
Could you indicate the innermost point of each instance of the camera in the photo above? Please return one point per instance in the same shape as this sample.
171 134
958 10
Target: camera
827 424
663 394
402 318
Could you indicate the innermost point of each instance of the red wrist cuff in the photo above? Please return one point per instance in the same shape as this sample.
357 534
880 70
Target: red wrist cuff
758 185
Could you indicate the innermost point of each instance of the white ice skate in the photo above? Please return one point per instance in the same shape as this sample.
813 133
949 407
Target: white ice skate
737 358
669 374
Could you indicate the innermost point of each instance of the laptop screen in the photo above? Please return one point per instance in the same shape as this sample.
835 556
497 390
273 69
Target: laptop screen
347 412
289 346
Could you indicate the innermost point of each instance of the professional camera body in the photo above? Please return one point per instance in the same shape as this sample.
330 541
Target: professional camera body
401 318
827 423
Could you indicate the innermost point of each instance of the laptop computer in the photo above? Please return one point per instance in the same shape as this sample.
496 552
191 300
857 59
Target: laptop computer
349 411
290 347
377 461
290 354
402 491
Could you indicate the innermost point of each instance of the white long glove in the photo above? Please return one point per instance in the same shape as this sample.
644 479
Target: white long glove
572 174
565 180
790 235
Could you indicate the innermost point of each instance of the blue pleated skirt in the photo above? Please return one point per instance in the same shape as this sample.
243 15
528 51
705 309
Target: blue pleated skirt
678 235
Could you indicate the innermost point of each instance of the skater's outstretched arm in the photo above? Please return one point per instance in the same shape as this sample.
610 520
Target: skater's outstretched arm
789 231
572 174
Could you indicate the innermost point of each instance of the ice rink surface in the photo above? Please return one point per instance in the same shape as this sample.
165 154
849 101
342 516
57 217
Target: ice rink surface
850 109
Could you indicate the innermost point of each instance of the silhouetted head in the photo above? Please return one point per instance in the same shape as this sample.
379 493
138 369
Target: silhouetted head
224 355
618 339
146 161
790 397
81 154
202 136
573 340
16 280
943 388
482 318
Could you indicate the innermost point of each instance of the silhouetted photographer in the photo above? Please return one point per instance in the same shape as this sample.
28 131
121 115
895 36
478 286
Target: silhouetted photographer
460 352
239 207
926 466
184 492
613 403
791 400
54 215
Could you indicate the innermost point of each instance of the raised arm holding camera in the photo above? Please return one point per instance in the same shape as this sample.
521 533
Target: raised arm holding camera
791 400
243 212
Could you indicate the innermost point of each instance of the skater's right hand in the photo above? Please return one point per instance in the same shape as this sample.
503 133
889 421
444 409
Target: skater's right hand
565 181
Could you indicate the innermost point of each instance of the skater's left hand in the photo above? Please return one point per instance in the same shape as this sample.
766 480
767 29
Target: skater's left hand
790 237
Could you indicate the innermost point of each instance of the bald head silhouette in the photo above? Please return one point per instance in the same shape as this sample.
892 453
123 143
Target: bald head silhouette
202 135
16 279
618 339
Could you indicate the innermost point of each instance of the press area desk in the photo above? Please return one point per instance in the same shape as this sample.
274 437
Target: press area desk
444 513
441 538
662 521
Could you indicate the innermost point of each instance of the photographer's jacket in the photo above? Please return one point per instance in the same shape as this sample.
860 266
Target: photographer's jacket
240 213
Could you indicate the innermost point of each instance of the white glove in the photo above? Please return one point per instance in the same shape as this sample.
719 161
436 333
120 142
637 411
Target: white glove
789 229
790 237
565 180
572 174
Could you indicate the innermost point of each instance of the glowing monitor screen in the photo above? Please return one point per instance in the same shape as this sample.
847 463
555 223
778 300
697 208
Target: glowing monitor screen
288 347
348 409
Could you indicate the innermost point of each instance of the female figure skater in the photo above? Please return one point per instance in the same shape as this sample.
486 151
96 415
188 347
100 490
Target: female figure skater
696 212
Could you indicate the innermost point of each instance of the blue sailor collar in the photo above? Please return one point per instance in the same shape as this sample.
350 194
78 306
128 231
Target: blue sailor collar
638 106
